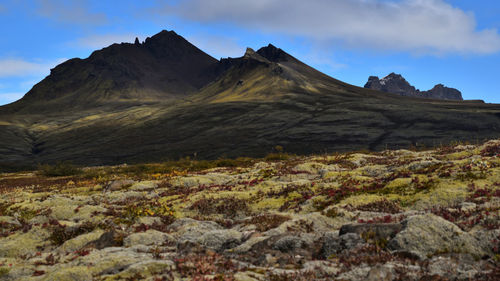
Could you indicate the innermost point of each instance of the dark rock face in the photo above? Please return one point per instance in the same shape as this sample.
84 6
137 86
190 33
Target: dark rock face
396 84
441 92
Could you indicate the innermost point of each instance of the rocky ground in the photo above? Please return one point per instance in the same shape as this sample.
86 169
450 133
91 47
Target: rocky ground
393 215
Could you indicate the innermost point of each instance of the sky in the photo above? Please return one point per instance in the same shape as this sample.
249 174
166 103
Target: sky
453 42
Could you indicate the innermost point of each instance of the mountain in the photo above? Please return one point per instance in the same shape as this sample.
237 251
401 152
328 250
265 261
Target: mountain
396 84
165 66
165 99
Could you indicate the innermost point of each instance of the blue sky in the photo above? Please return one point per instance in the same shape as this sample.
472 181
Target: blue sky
454 42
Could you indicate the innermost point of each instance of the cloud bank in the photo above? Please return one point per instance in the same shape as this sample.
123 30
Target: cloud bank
421 26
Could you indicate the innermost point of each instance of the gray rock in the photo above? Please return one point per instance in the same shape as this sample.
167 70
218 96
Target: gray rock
289 244
426 235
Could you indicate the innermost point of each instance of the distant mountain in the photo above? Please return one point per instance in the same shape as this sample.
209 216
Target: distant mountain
396 84
165 99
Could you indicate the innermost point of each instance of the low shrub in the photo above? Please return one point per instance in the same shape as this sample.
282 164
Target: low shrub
60 169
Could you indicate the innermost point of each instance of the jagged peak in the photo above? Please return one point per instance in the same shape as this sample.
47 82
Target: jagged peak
165 37
251 54
273 53
393 75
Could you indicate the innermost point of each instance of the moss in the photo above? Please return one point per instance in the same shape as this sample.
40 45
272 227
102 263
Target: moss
397 186
459 155
268 204
362 199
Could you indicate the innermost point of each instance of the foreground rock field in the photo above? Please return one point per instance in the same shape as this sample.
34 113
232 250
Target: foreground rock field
393 215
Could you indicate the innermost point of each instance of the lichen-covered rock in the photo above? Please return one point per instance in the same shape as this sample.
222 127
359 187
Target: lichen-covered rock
426 235
149 220
190 229
80 241
220 240
308 223
110 260
75 273
150 237
19 244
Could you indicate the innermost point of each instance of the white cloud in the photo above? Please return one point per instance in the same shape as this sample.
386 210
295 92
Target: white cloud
99 41
13 67
74 12
422 26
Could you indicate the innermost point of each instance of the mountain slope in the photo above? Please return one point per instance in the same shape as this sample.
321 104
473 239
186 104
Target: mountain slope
236 107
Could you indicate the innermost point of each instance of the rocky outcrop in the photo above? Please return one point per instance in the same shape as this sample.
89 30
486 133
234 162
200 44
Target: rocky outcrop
396 84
